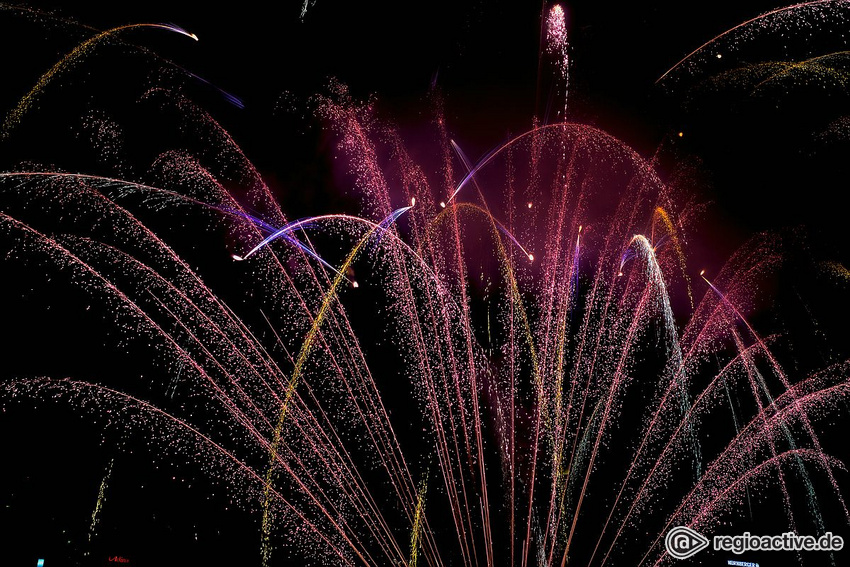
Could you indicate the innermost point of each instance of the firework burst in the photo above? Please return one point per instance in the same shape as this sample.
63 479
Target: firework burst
501 362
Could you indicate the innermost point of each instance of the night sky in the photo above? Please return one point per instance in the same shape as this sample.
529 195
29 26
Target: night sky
484 57
759 163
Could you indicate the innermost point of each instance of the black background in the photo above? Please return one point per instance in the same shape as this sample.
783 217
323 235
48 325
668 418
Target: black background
758 164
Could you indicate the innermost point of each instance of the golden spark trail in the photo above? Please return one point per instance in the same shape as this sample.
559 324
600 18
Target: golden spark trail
509 272
306 348
417 526
83 49
660 213
101 498
741 25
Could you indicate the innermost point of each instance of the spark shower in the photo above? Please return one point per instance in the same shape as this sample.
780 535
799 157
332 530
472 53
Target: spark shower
509 358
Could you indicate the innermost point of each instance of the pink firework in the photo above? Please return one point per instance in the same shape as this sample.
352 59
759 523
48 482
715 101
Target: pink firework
505 362
557 47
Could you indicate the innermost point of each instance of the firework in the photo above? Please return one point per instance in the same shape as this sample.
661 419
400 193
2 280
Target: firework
527 372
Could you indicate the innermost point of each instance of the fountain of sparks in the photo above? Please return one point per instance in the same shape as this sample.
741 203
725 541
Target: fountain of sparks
556 409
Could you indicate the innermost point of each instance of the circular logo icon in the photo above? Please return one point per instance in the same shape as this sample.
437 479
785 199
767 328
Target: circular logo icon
683 542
